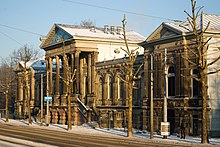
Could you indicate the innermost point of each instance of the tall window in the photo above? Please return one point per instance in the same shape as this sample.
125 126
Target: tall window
195 83
110 87
171 82
100 90
121 85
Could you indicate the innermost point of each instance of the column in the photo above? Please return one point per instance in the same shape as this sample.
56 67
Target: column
82 81
105 89
93 72
72 70
32 88
65 70
89 73
57 92
26 94
20 95
115 91
77 64
20 87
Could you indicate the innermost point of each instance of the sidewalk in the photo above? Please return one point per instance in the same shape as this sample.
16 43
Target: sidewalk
86 129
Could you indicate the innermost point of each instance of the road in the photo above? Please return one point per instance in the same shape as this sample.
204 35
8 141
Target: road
67 139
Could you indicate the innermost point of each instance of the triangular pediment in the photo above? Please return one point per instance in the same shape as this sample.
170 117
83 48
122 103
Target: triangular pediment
163 31
56 35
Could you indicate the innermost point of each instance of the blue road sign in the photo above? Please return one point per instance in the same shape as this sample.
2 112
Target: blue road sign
49 99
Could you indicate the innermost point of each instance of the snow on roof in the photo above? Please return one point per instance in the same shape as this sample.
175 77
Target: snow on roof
99 33
202 22
33 63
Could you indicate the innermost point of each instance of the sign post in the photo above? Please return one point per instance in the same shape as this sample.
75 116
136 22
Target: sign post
165 128
47 99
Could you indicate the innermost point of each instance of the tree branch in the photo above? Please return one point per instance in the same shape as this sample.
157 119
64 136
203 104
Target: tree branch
213 72
214 61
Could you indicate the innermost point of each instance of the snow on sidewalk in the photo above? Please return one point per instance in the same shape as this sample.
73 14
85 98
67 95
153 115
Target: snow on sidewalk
87 129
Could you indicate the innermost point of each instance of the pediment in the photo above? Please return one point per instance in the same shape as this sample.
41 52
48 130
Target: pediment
56 35
162 31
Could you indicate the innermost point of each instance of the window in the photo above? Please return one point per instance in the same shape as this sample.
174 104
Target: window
171 82
110 87
195 83
100 89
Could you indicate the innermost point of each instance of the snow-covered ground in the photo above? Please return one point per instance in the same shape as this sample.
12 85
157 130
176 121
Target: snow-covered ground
87 129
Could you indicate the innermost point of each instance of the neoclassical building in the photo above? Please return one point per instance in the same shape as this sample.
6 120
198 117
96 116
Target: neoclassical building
35 68
98 94
184 95
95 55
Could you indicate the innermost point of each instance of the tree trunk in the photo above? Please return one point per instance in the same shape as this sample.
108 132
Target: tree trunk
6 106
204 108
69 113
129 134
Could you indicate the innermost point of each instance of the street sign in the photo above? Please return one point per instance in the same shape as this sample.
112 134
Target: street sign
49 99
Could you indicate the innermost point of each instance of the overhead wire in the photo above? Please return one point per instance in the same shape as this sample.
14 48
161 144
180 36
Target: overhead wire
119 10
22 30
11 38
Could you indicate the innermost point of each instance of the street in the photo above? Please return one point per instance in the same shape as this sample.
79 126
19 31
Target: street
67 139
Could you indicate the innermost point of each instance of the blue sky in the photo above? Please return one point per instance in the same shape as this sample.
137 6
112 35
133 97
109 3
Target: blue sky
39 15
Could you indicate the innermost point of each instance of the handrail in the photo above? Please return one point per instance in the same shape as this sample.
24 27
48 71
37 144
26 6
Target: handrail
82 104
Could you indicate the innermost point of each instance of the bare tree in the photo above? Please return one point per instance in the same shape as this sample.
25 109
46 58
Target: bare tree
131 77
68 78
7 77
199 50
23 56
87 23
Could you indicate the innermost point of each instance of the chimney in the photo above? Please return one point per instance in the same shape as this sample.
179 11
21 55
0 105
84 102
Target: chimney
106 29
118 30
112 30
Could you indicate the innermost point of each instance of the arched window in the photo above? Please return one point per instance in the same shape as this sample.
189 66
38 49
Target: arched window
100 90
110 87
121 89
195 83
171 82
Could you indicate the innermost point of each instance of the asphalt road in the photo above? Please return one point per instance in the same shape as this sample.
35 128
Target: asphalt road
66 139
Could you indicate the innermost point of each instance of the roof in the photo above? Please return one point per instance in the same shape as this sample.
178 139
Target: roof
202 22
175 29
76 32
38 63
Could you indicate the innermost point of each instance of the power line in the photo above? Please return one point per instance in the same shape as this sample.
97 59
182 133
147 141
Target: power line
124 11
11 38
22 30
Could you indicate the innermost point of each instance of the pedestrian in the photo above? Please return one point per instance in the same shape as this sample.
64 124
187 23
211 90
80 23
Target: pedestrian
182 129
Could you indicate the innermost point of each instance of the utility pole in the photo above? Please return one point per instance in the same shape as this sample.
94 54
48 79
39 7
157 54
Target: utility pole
41 95
151 100
165 90
47 119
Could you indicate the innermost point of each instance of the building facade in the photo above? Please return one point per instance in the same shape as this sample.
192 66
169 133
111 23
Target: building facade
184 92
98 94
93 54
